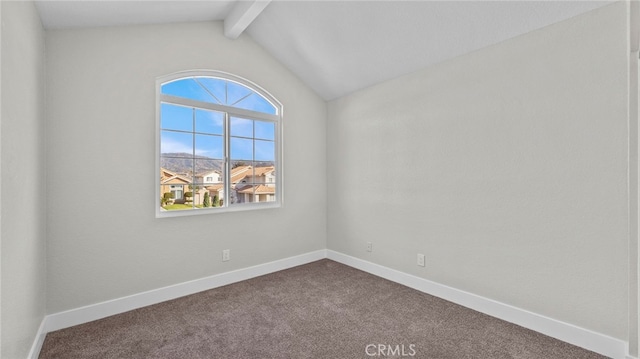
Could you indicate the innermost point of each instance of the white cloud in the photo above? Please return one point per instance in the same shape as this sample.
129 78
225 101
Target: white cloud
169 145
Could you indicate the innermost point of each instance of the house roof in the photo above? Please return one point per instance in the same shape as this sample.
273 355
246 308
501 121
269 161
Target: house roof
169 177
240 172
261 171
175 180
215 187
259 189
204 174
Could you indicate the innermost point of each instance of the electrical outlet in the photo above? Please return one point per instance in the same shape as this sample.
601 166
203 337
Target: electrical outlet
421 260
226 255
369 246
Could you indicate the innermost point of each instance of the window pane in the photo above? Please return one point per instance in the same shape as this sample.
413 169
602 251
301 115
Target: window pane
264 150
188 88
181 166
241 175
241 127
172 198
174 117
265 130
187 197
255 193
240 171
266 193
241 149
256 103
215 87
236 93
219 91
209 171
264 173
244 194
211 122
176 142
253 182
211 179
175 178
209 146
194 195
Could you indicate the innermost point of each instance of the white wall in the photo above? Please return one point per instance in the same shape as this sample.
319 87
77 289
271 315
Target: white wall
23 178
634 44
521 149
106 243
0 180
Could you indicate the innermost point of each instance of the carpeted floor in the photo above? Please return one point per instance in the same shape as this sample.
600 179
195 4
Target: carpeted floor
319 310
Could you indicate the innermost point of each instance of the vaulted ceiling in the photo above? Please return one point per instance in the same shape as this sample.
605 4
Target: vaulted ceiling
338 47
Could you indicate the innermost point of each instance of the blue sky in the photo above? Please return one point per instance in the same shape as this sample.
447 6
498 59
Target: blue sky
221 92
250 140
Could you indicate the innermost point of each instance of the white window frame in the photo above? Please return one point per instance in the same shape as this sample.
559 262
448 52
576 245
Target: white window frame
229 112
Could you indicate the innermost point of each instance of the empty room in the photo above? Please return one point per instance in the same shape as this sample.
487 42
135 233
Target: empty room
319 179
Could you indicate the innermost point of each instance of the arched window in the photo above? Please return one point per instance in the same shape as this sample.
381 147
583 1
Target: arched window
218 144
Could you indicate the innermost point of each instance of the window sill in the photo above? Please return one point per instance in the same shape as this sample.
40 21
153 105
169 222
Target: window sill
161 213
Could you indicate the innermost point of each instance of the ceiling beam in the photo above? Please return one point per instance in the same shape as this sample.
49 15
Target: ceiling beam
242 15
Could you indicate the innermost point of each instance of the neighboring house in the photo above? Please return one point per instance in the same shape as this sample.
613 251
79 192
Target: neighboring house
259 193
240 173
175 183
216 190
254 184
212 182
179 184
211 177
249 184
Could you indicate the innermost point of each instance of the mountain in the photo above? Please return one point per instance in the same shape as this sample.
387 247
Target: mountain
182 163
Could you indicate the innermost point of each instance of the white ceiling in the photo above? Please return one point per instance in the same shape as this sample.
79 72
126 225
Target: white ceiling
58 14
338 47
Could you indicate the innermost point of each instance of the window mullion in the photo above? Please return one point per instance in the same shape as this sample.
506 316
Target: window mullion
227 160
253 163
193 165
248 114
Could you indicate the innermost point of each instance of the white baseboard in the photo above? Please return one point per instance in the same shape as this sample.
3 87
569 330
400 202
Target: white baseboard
39 340
596 342
599 343
116 306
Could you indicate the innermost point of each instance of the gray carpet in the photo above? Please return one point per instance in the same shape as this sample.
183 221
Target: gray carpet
319 310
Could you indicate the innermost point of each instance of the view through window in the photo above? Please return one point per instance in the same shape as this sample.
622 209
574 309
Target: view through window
218 145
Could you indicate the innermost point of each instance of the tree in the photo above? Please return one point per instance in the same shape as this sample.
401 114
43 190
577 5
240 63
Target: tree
216 201
167 198
207 201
